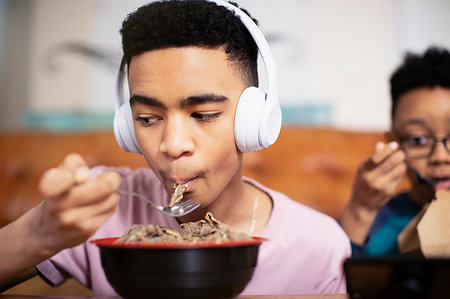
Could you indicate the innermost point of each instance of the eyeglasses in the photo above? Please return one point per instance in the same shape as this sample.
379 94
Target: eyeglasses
422 146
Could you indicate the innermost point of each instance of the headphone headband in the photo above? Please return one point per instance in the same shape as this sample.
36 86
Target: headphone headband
121 79
263 48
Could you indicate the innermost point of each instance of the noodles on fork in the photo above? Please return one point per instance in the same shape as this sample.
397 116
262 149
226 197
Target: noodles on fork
177 195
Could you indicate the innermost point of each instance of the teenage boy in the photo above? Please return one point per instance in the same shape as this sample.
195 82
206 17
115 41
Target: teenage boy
188 63
419 146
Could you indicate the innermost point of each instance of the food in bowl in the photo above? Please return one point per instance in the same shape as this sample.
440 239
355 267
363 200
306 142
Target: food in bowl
180 268
209 229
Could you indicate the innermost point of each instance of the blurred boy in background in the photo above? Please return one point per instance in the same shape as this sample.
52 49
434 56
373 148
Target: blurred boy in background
418 146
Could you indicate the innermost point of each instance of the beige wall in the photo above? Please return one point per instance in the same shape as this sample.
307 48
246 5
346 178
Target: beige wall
14 62
334 52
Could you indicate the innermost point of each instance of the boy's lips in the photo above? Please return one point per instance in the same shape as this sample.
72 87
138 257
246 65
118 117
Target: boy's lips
442 184
187 182
170 179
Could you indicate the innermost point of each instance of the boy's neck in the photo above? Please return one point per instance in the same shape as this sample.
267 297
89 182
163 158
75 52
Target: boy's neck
242 206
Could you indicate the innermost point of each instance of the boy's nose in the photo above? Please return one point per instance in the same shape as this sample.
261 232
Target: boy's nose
440 153
177 140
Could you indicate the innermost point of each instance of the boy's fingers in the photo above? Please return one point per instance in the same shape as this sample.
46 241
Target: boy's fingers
379 154
81 175
382 151
393 145
379 146
111 179
395 159
399 171
77 166
106 205
394 176
72 162
55 181
94 191
384 168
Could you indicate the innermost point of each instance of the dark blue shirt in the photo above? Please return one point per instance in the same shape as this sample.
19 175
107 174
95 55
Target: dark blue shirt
389 222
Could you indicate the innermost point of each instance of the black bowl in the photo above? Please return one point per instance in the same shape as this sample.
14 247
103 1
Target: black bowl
179 270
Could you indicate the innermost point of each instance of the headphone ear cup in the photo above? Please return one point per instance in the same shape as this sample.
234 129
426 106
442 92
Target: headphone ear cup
124 129
247 119
270 123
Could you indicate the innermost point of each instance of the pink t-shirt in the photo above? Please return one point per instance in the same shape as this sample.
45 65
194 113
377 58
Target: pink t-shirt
304 254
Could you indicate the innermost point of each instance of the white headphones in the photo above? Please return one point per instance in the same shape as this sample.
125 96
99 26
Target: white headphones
257 122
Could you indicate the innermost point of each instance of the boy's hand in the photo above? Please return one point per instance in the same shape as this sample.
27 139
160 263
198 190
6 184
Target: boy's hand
375 184
73 207
378 177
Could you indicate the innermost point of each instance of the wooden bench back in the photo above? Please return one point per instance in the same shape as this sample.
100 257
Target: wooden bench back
315 166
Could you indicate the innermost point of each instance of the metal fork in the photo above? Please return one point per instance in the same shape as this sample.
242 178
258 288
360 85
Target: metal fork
422 178
179 209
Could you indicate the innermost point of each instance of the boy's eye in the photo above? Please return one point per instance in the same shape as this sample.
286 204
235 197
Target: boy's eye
418 141
146 120
205 116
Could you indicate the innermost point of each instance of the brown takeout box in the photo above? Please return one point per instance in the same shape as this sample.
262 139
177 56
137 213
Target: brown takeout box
429 231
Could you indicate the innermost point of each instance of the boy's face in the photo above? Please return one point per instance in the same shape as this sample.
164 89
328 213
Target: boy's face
183 106
426 112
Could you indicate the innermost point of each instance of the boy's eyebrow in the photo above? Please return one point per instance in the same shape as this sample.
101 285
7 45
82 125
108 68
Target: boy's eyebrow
146 101
190 101
202 99
414 121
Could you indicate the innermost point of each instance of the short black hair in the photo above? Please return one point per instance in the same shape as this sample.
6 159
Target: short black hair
165 24
432 69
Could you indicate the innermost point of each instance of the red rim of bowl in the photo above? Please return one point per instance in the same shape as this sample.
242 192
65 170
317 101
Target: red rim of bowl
109 242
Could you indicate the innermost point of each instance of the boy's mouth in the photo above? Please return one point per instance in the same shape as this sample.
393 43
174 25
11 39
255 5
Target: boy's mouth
170 178
174 181
442 183
437 182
